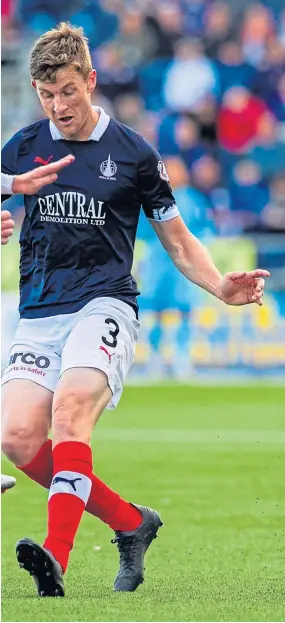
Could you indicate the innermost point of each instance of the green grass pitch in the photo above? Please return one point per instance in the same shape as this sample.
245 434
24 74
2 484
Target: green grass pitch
212 462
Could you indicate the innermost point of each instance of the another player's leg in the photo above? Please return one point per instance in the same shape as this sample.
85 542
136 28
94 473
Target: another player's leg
7 482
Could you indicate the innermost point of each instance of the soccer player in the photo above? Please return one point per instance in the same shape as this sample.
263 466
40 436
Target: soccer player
78 302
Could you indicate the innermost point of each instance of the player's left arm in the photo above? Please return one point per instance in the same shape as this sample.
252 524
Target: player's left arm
195 262
186 251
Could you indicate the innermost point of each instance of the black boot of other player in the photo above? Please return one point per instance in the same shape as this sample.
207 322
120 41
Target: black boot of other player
132 547
42 565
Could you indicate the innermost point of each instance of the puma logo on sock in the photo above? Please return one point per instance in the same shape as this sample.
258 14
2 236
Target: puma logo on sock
70 481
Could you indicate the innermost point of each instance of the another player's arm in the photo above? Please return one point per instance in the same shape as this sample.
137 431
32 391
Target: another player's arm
194 261
31 182
7 226
27 184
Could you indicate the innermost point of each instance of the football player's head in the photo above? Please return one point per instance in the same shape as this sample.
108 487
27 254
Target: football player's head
61 72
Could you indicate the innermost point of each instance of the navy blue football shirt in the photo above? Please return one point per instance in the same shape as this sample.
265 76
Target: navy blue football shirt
77 238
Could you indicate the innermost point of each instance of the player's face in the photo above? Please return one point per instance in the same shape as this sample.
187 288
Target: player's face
67 102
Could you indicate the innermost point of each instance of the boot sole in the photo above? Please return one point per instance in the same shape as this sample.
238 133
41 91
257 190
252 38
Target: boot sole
33 559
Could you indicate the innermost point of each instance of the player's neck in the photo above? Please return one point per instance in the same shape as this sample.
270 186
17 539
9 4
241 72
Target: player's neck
88 127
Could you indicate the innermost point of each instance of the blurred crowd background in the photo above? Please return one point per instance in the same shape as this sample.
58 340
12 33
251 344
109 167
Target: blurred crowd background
204 81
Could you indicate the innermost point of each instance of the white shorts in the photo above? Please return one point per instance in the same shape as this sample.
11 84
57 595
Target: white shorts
101 335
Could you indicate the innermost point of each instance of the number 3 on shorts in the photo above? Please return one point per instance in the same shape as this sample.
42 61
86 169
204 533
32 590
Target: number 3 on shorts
113 332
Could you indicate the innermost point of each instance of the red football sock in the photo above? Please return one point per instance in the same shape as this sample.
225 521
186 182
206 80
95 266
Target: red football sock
68 496
111 508
104 503
40 467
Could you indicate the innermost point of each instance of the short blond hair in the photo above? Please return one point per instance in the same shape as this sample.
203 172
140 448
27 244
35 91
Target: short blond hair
57 48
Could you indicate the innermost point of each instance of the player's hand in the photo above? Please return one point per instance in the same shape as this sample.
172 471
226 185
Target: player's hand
30 183
244 288
7 226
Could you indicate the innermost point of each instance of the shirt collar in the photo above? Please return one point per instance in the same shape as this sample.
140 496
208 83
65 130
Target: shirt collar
97 133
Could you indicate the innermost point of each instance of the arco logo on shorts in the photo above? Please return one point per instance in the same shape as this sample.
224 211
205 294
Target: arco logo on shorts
29 359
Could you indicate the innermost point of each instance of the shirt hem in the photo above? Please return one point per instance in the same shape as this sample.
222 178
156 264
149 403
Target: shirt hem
71 308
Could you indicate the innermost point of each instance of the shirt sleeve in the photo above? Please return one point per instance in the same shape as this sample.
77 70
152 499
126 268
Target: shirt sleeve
6 184
155 191
9 165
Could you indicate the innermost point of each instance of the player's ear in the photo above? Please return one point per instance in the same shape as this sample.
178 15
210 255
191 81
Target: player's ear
33 83
92 81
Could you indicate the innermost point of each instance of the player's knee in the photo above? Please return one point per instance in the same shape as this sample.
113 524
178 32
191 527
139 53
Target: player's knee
71 414
20 444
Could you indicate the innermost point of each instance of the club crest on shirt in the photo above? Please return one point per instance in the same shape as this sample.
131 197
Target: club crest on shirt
162 171
108 169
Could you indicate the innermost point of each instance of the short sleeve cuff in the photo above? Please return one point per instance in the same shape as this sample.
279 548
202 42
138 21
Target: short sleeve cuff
165 213
6 184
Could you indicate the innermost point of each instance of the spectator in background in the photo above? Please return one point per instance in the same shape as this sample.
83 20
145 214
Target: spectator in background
114 76
276 99
171 20
217 26
99 23
258 26
130 42
249 194
206 114
187 140
206 176
197 74
194 206
239 118
39 15
7 14
7 11
232 67
281 28
273 215
193 16
268 151
271 69
147 127
129 108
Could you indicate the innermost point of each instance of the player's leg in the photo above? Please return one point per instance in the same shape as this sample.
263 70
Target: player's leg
26 419
79 399
105 338
28 383
26 414
26 411
24 442
122 516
